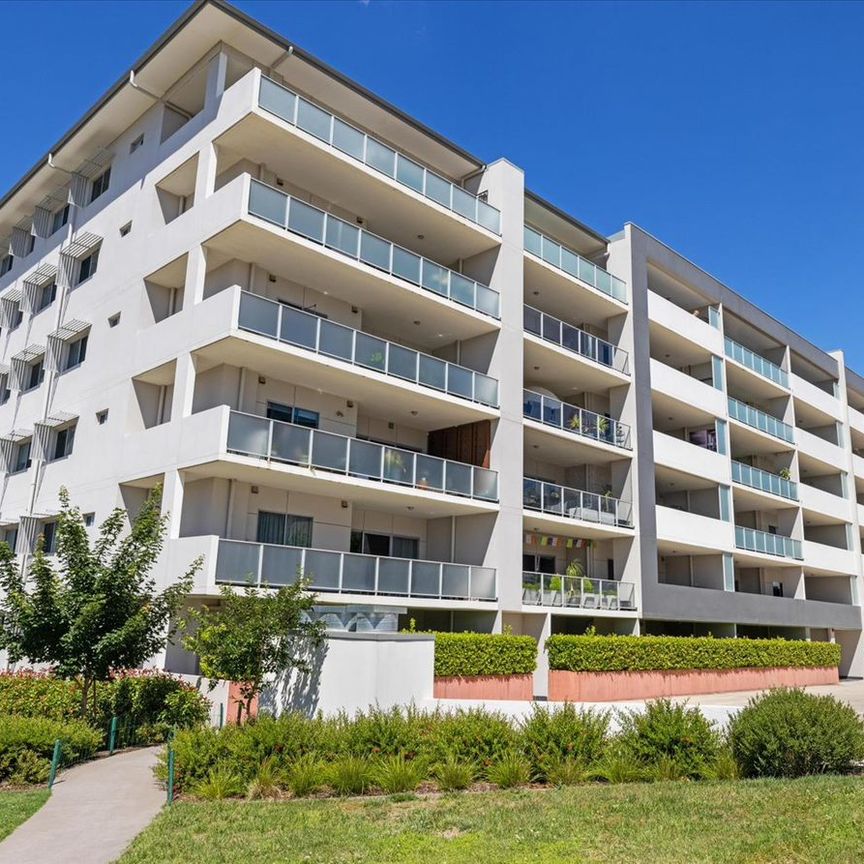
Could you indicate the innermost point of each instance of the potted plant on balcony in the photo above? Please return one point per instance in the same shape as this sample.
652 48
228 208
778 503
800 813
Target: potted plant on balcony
530 589
603 428
552 591
607 507
589 596
575 573
394 465
784 474
576 423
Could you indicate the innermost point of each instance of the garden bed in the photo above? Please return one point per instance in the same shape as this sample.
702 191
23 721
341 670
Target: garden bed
565 686
493 687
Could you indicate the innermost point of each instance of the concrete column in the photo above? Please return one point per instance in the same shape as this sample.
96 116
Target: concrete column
172 501
505 186
184 386
196 271
217 71
205 174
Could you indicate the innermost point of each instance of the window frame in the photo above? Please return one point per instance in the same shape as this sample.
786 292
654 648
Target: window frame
7 262
59 218
66 434
80 277
100 185
17 467
81 352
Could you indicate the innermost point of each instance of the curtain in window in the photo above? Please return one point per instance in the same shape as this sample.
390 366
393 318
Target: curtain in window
298 531
405 547
271 527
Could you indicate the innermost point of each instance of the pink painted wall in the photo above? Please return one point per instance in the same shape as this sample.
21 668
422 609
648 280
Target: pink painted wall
510 687
616 686
235 698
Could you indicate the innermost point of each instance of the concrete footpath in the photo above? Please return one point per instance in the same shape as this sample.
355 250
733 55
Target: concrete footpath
94 812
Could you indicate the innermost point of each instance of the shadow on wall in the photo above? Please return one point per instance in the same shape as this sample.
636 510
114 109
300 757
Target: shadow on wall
297 691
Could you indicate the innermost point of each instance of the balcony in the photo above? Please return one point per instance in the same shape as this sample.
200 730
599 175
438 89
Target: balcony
299 218
576 593
331 572
820 558
683 325
575 421
328 339
681 531
756 363
289 443
757 419
577 341
765 543
555 500
681 455
569 262
764 481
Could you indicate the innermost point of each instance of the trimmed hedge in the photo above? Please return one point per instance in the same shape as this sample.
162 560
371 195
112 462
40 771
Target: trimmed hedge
27 744
651 653
469 654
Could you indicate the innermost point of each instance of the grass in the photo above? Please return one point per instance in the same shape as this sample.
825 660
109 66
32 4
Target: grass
16 807
817 819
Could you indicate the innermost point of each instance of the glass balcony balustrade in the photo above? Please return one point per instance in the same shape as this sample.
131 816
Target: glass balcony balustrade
251 435
576 504
770 544
576 592
577 421
573 339
574 264
756 362
275 206
327 338
300 112
240 563
756 478
751 416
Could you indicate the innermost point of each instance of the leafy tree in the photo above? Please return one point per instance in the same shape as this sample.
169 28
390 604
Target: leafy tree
252 635
99 610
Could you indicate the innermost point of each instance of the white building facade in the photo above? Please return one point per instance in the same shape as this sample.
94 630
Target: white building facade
346 347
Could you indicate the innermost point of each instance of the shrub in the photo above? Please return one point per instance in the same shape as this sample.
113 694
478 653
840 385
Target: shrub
549 737
619 766
454 774
220 782
350 775
35 694
674 739
27 745
472 735
511 770
397 774
465 654
642 653
305 776
265 783
380 732
789 733
566 772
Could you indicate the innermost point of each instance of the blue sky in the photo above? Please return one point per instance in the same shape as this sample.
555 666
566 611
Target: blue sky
731 131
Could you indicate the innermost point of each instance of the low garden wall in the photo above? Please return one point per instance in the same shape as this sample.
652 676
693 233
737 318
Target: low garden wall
496 666
613 668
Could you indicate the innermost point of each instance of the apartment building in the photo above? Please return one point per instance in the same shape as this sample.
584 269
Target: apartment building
348 348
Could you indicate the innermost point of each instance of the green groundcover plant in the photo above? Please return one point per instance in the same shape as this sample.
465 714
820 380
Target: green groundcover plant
592 653
27 744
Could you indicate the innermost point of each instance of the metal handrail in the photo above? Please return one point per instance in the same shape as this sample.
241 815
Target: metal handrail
754 540
280 441
335 132
576 504
576 592
578 421
314 333
330 571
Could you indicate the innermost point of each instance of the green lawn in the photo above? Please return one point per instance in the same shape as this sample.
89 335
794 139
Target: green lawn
15 807
788 822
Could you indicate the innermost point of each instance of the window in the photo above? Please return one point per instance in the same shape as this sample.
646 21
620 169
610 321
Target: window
290 414
46 295
60 218
138 142
21 456
49 538
114 320
102 417
75 353
284 529
17 316
87 267
31 243
10 537
35 374
384 545
125 229
63 441
100 185
6 263
538 563
89 519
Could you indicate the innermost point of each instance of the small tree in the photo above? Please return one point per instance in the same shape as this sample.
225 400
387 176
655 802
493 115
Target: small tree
100 609
254 634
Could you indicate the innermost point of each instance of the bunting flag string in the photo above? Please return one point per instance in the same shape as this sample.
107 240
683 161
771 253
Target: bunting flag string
553 542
